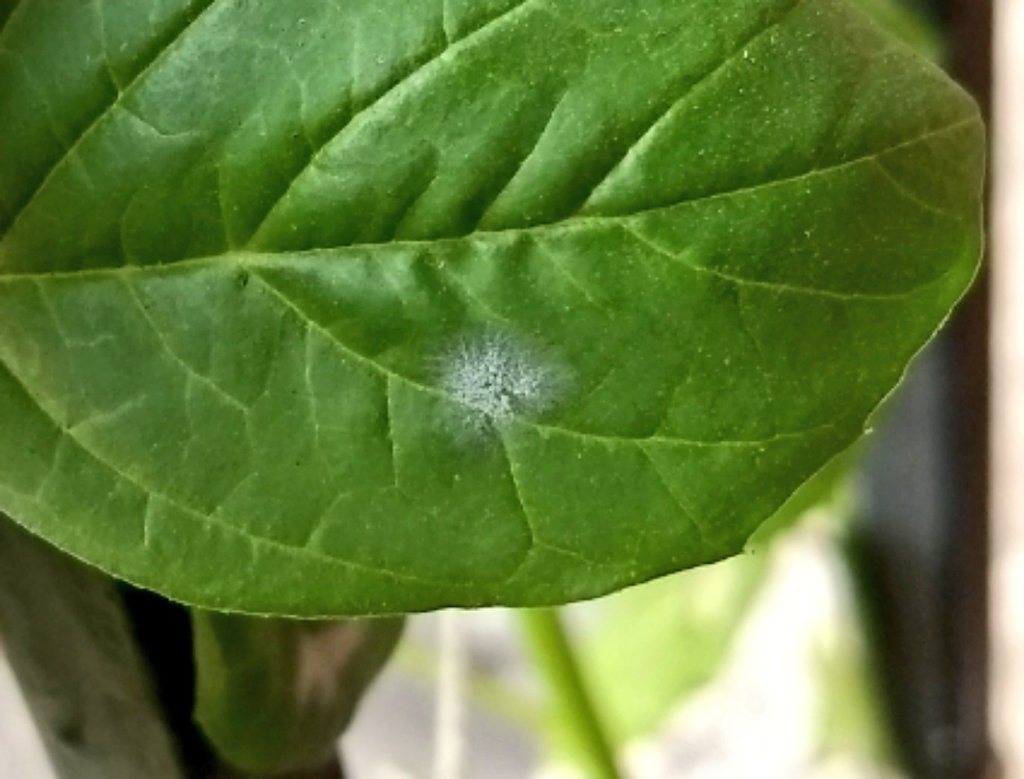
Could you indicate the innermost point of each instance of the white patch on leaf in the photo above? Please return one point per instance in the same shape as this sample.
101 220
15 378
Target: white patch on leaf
497 378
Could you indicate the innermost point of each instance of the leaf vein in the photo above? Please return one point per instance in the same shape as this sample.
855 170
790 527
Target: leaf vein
106 109
649 132
12 10
139 483
206 381
389 429
521 163
775 286
524 512
394 89
556 262
350 353
671 441
907 193
690 516
578 222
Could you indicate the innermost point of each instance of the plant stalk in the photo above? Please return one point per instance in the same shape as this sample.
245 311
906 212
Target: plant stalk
552 653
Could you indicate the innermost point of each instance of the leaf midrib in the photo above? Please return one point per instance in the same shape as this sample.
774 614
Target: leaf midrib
243 257
403 84
105 111
176 41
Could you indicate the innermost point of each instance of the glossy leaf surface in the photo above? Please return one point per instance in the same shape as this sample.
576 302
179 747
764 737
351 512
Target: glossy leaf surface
321 308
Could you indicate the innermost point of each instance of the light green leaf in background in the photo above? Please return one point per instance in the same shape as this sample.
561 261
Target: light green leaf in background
318 308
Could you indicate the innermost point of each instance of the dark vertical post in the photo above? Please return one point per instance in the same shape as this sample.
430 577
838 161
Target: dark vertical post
970 48
924 544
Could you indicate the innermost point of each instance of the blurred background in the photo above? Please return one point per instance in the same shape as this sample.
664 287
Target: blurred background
874 629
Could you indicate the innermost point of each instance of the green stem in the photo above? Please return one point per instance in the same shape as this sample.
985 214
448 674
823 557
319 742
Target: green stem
553 655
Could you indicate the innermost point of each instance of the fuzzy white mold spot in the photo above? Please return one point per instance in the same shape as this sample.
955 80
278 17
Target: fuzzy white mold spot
498 378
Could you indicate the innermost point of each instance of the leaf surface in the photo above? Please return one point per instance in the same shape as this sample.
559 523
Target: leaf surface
370 307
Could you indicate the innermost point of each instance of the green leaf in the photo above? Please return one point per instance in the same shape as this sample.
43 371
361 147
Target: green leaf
272 695
370 307
656 645
907 24
73 649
